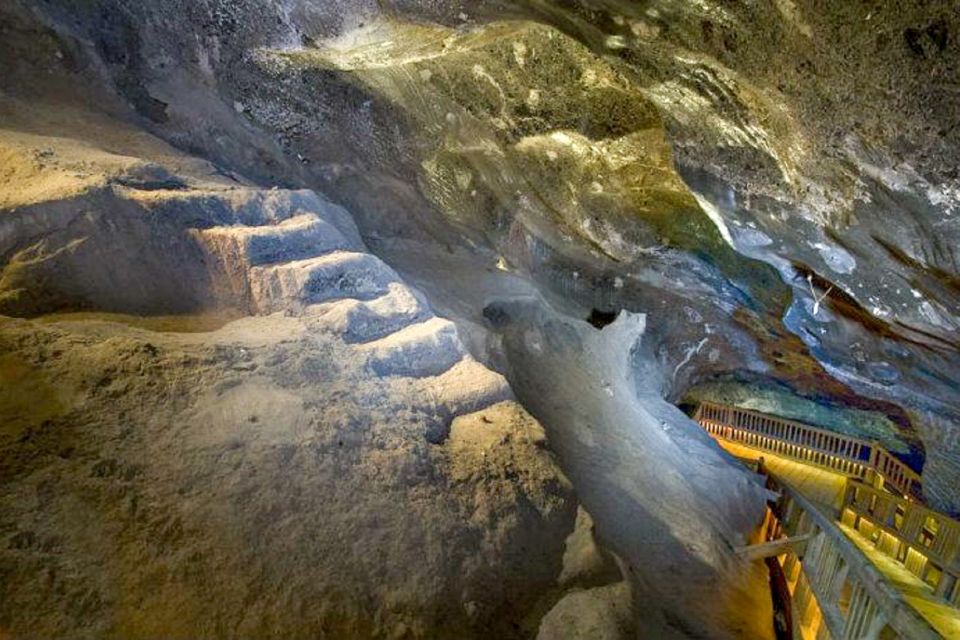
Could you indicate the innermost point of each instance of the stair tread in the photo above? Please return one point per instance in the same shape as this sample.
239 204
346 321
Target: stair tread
339 274
418 350
361 321
300 237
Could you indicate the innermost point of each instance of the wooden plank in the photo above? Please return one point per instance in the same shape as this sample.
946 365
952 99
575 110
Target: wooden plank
796 544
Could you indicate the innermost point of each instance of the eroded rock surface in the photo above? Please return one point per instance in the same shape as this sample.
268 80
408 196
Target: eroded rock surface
334 464
257 481
231 415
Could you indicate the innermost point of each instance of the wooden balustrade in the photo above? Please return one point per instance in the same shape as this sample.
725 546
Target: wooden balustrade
925 541
836 592
837 452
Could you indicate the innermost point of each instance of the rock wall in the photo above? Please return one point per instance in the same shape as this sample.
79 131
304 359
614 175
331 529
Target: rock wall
771 185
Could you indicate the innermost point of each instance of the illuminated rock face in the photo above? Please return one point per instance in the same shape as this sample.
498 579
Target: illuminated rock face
669 163
245 424
768 192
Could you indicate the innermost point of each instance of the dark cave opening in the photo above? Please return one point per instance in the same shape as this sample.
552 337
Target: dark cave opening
599 319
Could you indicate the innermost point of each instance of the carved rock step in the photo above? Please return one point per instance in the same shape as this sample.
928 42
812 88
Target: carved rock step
341 274
302 236
419 350
468 386
363 321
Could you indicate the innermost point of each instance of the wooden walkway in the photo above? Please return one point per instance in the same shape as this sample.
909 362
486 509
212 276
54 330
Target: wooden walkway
897 556
944 618
811 445
822 486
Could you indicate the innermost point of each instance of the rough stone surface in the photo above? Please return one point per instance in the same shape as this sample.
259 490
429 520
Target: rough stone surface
255 482
769 187
185 473
602 613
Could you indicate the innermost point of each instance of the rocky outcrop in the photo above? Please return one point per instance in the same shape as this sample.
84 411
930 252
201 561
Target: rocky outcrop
769 188
333 464
257 481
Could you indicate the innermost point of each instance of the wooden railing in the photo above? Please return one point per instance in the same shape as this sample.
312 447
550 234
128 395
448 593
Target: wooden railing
830 450
924 541
891 469
836 593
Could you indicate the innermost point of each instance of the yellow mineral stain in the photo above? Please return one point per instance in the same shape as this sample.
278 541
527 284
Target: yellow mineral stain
27 397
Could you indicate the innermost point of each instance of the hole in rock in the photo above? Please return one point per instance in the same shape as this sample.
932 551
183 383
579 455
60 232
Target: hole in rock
496 315
600 319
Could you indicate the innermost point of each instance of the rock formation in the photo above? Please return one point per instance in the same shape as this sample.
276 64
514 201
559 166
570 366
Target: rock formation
295 298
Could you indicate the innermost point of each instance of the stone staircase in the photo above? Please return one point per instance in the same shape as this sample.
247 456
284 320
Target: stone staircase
303 262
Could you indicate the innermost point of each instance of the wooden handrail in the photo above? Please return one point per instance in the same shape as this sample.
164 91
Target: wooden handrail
831 559
923 539
934 535
737 411
838 452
